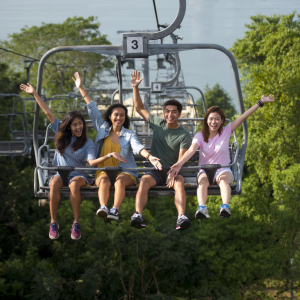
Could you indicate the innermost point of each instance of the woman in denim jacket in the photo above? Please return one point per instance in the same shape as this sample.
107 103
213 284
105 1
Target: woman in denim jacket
116 143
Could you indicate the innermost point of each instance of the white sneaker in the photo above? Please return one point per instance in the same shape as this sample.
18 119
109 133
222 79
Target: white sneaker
102 211
202 212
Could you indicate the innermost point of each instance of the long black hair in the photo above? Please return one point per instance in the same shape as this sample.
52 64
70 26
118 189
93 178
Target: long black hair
64 134
109 111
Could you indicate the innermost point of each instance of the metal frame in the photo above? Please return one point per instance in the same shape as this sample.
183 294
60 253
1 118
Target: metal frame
151 49
25 141
154 49
43 169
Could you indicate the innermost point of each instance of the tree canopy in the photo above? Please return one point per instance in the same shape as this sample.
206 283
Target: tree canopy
268 58
245 257
217 96
37 40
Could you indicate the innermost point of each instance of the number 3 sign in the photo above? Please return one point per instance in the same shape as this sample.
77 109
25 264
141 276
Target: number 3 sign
134 44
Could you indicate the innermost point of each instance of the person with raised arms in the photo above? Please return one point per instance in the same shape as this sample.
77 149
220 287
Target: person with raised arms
73 148
170 142
114 136
213 145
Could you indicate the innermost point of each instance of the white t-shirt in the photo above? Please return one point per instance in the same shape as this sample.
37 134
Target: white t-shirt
216 151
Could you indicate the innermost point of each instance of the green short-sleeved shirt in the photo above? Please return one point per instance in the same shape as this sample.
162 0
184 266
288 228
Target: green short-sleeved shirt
166 143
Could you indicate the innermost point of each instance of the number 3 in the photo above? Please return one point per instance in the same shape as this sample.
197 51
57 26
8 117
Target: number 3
135 42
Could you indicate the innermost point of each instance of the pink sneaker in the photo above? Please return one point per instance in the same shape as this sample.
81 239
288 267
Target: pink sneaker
76 233
53 231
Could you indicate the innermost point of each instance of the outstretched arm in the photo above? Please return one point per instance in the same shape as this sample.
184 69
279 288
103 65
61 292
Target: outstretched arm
82 91
138 104
154 160
237 122
186 156
30 90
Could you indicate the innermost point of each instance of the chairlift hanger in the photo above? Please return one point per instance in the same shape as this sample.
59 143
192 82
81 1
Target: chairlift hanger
22 146
136 45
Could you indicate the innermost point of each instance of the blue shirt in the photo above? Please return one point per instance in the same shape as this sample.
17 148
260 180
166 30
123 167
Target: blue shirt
76 158
128 140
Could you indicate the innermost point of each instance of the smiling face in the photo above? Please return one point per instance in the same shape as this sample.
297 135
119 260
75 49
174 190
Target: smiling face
171 114
76 127
214 121
117 117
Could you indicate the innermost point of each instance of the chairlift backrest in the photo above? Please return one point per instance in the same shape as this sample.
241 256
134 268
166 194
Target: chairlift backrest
18 146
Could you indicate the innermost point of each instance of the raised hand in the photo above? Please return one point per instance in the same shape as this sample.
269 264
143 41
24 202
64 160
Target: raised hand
118 157
135 78
270 98
155 162
77 80
27 88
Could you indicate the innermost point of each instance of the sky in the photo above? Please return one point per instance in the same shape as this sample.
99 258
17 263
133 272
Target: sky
206 21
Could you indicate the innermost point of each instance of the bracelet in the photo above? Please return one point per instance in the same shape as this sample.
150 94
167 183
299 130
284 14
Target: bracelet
85 95
109 155
147 157
260 103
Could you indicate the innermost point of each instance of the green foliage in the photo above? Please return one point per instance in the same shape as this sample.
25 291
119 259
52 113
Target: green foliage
213 260
217 96
9 84
10 81
244 257
36 41
268 57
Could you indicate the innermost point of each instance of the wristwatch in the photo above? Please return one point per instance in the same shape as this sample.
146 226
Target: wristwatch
109 155
260 103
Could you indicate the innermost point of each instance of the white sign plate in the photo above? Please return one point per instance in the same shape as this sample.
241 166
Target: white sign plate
156 87
134 44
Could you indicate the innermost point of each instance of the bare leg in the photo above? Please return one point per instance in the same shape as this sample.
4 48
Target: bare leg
203 185
54 196
75 195
180 195
224 180
104 184
147 182
122 181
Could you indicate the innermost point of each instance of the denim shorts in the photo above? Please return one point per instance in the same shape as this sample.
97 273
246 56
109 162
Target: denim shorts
71 178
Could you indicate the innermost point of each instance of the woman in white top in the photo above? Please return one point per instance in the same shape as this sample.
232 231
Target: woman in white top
212 143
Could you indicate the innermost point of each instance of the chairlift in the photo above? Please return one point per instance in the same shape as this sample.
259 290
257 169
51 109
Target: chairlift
18 146
136 45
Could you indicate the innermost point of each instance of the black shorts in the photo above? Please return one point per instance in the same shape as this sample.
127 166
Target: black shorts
156 175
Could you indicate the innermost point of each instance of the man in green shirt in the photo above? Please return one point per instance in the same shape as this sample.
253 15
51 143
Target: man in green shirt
170 141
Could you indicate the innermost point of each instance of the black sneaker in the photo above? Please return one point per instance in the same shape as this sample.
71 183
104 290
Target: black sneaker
102 211
113 214
137 221
183 223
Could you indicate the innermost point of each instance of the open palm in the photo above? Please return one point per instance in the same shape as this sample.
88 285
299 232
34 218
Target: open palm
135 78
27 88
77 80
270 98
